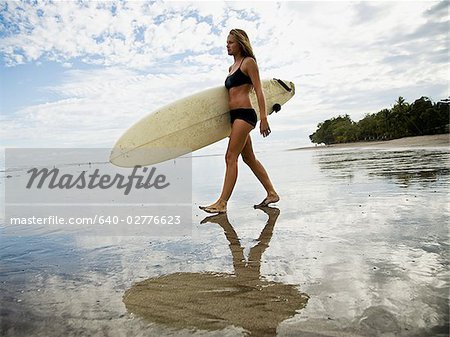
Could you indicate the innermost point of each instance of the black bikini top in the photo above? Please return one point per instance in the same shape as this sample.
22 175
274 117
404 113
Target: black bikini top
237 78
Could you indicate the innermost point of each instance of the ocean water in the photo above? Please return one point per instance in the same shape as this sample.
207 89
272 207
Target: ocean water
357 246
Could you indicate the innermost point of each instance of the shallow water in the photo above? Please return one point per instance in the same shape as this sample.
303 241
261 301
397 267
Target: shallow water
358 246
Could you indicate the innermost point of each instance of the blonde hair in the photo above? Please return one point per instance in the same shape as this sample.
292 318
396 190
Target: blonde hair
244 42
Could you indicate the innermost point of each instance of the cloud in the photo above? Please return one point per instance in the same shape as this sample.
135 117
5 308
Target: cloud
108 34
439 10
93 101
366 12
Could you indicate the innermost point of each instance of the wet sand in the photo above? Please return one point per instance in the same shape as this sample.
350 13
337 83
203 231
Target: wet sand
357 246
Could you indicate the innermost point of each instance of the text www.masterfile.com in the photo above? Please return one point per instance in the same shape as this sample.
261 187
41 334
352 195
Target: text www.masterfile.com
98 220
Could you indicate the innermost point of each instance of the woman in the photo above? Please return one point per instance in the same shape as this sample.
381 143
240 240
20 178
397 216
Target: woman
243 74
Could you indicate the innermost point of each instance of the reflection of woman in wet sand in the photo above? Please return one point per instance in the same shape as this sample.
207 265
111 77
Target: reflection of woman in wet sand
213 301
251 268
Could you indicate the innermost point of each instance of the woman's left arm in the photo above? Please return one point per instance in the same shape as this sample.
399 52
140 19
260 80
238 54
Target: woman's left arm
253 73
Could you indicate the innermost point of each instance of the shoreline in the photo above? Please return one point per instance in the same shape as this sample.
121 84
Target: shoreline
439 140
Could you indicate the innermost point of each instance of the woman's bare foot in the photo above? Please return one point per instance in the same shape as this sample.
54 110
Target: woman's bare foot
220 206
270 199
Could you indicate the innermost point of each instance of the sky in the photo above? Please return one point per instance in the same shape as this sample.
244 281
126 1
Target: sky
78 74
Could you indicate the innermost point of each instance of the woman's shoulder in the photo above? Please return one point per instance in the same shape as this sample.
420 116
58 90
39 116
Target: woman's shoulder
249 60
249 63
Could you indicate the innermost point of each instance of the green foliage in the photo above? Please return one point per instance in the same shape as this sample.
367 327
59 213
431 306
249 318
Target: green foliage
423 117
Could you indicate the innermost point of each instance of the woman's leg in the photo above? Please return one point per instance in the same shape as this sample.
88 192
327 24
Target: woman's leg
239 132
258 169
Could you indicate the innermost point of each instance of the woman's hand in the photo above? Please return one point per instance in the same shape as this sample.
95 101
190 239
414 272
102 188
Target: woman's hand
264 128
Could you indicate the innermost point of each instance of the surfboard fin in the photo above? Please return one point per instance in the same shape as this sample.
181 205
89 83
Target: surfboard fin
276 107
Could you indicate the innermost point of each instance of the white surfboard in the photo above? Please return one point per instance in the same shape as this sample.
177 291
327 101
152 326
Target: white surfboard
188 124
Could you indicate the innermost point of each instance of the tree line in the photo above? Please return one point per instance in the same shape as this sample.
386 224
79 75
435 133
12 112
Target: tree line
423 117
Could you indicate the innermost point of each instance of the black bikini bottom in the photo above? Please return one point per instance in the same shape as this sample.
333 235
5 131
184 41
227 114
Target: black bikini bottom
246 114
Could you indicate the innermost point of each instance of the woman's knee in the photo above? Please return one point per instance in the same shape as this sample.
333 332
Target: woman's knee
249 159
231 157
